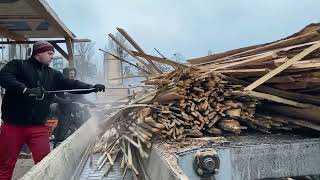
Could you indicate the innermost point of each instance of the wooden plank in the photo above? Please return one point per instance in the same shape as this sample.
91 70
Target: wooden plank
304 98
300 122
282 43
125 48
307 83
245 72
121 59
167 97
214 57
290 80
278 79
263 68
291 86
300 64
277 99
282 67
138 48
223 60
257 59
310 65
294 112
246 51
304 123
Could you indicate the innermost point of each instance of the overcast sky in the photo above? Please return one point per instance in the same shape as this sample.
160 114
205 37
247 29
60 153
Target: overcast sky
190 27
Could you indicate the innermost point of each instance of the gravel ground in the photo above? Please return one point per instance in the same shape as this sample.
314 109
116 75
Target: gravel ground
22 167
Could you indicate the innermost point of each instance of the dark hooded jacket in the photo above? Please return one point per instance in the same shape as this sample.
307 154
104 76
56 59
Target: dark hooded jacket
19 108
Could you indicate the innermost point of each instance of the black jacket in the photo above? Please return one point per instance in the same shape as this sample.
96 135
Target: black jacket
16 75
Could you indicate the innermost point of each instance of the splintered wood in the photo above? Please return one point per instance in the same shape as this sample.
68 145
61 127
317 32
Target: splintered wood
196 102
268 87
282 72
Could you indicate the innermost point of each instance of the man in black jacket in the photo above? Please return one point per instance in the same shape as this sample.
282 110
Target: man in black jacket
71 115
24 113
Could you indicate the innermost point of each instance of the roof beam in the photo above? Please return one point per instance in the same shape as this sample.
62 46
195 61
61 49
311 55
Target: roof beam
70 49
60 50
11 35
20 17
137 47
126 49
48 13
50 41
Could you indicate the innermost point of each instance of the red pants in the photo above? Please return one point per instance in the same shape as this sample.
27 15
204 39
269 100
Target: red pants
12 137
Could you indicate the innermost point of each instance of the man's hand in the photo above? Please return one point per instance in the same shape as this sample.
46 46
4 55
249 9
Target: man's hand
38 92
99 87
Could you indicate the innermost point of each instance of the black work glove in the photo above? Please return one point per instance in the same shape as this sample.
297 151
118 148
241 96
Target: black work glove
38 92
99 87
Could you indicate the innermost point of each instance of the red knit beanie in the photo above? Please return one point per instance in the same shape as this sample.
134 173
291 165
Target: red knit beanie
41 46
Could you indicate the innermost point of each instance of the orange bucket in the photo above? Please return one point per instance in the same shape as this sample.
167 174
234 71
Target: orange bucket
52 124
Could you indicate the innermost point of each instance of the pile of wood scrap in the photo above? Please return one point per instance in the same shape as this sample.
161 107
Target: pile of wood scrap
296 58
285 72
194 102
264 87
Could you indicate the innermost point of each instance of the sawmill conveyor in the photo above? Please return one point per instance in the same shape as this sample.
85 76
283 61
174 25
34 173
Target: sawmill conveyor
245 157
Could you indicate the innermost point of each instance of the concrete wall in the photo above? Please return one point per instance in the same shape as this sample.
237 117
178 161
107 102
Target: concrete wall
112 69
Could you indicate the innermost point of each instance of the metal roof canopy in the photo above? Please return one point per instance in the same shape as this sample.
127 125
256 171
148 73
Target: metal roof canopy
24 19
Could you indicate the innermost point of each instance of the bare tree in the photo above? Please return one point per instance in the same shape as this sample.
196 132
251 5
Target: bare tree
178 57
163 67
84 54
